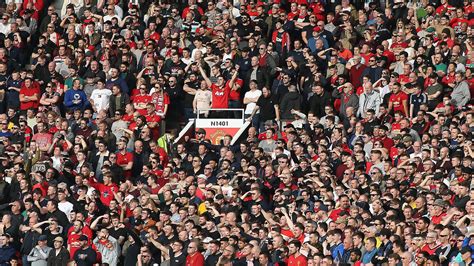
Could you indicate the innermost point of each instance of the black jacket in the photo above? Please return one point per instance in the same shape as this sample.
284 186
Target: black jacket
60 259
318 102
124 100
262 77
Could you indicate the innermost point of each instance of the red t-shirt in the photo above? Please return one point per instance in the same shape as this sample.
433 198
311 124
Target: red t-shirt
124 159
234 95
430 251
397 45
155 36
287 232
397 101
366 57
336 213
142 99
106 191
403 78
73 242
297 261
197 259
127 117
438 219
29 92
220 96
43 139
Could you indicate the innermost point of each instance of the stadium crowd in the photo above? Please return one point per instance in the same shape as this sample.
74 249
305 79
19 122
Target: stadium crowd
359 151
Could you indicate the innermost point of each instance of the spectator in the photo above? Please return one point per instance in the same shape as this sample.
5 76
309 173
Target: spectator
40 253
359 148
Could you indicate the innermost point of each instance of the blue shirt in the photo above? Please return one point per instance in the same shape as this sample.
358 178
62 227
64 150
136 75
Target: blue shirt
337 252
367 257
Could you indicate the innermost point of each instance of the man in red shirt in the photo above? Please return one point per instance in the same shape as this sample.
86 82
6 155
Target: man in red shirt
344 205
73 236
437 212
295 257
124 158
43 138
106 190
194 258
432 243
153 119
141 100
220 91
29 95
398 100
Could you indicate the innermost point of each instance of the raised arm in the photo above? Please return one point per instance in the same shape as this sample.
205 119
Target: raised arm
234 77
204 75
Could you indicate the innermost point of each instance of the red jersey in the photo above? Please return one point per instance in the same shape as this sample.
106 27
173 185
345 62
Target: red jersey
292 15
387 143
430 251
142 99
398 45
443 9
197 259
127 117
396 127
437 219
403 78
152 118
297 261
28 134
33 90
106 191
448 79
220 96
73 242
336 213
234 95
287 232
397 101
155 36
124 159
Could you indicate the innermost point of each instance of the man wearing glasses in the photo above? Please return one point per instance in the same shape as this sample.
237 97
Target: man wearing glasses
194 258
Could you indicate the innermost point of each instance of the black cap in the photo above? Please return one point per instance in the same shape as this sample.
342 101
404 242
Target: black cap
83 238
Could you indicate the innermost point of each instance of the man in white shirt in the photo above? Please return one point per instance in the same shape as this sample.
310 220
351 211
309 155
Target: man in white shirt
5 25
251 98
64 205
100 97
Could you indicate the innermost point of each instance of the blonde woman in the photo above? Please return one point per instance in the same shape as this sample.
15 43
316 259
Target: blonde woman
153 11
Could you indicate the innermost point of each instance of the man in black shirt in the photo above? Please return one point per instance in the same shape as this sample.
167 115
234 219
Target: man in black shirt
175 253
86 255
268 107
214 254
53 211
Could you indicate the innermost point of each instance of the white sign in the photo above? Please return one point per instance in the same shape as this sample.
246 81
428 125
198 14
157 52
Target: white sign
219 123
